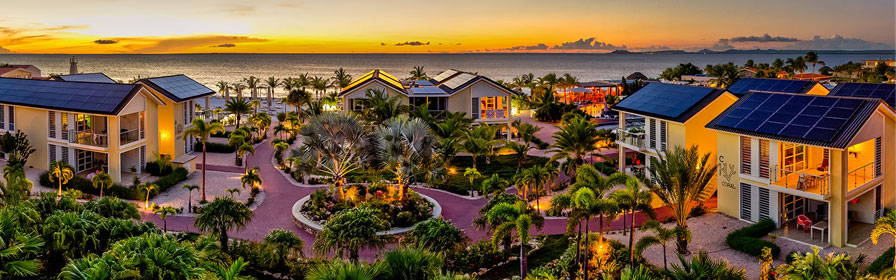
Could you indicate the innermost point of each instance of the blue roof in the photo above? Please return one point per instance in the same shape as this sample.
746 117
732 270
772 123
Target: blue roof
828 121
887 92
85 97
431 90
178 87
88 77
667 101
746 85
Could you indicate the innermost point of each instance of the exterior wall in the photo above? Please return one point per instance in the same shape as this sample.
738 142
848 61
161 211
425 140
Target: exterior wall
818 89
361 92
728 178
20 74
461 102
33 122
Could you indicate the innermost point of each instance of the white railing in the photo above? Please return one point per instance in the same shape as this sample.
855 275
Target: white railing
632 138
494 114
860 176
130 136
87 137
800 180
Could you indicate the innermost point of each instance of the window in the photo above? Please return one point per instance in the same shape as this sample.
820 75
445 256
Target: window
436 104
746 166
142 124
663 136
357 104
191 110
746 201
764 204
763 158
65 127
12 118
52 153
877 158
653 134
142 159
2 117
794 157
51 124
85 160
65 155
492 108
474 112
186 122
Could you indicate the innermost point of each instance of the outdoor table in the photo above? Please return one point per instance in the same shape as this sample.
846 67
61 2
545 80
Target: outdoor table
821 226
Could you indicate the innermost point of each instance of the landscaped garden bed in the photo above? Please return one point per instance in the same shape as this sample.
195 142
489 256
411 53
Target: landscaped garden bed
319 207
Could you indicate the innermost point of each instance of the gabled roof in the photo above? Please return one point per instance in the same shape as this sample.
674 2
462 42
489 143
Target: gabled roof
887 92
828 121
676 103
375 75
441 77
86 77
746 85
597 84
85 97
177 87
636 76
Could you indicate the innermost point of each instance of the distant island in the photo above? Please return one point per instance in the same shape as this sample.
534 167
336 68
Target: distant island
755 51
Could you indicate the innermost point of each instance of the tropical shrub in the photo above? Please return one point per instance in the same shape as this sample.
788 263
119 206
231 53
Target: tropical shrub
747 239
881 263
86 186
213 147
159 168
400 213
112 207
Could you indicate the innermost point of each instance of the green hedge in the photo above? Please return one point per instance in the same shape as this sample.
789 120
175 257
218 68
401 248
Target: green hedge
883 262
219 134
215 148
747 239
117 190
156 169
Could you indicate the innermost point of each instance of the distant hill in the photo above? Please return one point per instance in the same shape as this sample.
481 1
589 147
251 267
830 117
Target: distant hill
756 51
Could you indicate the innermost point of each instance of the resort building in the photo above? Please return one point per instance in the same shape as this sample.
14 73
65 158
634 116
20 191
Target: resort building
820 167
19 71
589 96
480 98
661 116
871 63
744 86
86 77
180 94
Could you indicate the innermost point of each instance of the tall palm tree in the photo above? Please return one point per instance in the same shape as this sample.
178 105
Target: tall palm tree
679 178
296 98
102 181
549 81
238 106
224 89
238 88
243 151
163 213
797 64
203 130
272 84
632 199
341 79
480 141
190 189
320 85
661 236
812 57
221 216
418 74
508 217
574 140
251 179
494 185
337 140
303 81
252 83
60 173
254 103
885 225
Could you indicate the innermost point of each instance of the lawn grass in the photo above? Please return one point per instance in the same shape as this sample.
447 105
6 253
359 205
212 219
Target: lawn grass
552 249
503 165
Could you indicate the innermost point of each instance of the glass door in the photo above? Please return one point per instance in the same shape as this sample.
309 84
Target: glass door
793 157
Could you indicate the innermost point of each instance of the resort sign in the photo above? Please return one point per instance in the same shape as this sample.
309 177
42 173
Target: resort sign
727 171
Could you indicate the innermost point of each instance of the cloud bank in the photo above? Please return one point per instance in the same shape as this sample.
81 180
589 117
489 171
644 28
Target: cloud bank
835 42
105 42
412 43
578 45
764 38
4 50
228 45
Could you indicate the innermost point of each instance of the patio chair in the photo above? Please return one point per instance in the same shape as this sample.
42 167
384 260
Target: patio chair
802 183
823 166
804 222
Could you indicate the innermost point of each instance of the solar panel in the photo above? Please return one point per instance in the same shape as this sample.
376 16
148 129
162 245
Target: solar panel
74 96
666 100
746 85
181 86
809 117
444 75
459 80
90 77
431 90
887 92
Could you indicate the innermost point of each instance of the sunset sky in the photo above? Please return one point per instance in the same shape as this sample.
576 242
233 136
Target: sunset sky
399 26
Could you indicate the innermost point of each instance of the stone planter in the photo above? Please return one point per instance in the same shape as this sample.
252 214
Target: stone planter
313 227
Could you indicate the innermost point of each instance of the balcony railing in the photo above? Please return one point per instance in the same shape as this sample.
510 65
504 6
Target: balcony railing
859 176
632 138
807 180
130 136
87 137
493 114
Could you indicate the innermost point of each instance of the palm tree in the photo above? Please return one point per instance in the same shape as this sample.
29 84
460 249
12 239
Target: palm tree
472 173
296 98
797 64
231 271
244 150
101 181
272 84
252 83
661 235
254 104
494 185
702 267
407 149
279 129
350 230
163 213
190 189
251 179
320 85
436 235
341 270
521 150
574 140
408 263
480 141
337 140
20 249
283 244
221 216
812 57
631 199
238 106
418 74
238 88
232 192
885 225
203 130
148 188
381 107
679 178
341 79
506 218
224 89
60 173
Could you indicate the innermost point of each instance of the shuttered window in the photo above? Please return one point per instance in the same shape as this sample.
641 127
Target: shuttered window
764 204
64 156
653 133
142 159
746 200
52 153
142 125
51 124
663 137
2 117
746 166
12 118
878 202
877 158
763 158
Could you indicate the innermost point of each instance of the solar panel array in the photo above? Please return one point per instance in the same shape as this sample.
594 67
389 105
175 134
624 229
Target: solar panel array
423 83
665 100
90 77
389 79
181 86
361 79
444 75
74 96
459 80
808 117
430 90
745 85
887 92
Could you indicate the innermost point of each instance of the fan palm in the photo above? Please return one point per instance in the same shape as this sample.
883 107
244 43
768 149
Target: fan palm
251 179
238 106
885 225
350 230
337 140
221 216
203 130
101 181
18 250
60 173
163 213
679 178
506 218
407 148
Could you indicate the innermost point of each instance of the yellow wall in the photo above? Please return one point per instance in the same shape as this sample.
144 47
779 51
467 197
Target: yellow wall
33 122
728 174
361 92
461 101
818 89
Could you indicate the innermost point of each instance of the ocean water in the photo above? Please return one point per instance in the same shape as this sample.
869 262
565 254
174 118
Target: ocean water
210 68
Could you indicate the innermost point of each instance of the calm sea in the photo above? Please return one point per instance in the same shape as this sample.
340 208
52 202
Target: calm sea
209 68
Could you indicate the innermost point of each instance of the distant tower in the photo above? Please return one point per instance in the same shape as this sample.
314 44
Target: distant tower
73 69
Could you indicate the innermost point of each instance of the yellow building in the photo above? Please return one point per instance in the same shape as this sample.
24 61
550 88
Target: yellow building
100 126
826 162
661 116
744 86
181 95
479 97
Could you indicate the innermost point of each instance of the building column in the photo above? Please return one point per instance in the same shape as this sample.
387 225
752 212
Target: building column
112 153
619 148
838 221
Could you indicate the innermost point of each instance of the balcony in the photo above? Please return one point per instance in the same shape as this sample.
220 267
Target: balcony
635 139
859 176
493 114
809 180
88 138
130 136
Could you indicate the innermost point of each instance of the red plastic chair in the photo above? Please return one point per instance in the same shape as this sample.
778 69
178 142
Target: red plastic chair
804 222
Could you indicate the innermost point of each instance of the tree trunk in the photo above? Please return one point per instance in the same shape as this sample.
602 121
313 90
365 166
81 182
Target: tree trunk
681 242
587 236
165 224
203 171
523 263
578 248
101 190
631 239
190 200
223 234
664 256
353 256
